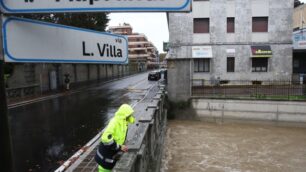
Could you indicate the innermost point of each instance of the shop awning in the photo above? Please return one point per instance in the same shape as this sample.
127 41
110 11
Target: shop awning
261 51
202 52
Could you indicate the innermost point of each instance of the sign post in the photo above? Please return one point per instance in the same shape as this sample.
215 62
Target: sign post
34 41
6 146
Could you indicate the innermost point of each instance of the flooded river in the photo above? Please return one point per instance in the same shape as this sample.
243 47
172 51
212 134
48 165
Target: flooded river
206 147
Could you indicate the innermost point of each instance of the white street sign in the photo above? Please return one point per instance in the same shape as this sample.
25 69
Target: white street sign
52 6
33 41
299 40
202 52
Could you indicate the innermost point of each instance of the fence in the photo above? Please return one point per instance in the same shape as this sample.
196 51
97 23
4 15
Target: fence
16 93
262 90
22 91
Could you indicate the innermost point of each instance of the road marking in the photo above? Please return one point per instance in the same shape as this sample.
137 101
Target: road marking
138 84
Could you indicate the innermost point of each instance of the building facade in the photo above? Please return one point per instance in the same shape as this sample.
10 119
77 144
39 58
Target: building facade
229 40
299 43
299 17
142 53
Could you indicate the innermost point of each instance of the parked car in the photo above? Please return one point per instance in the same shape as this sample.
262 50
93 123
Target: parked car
154 75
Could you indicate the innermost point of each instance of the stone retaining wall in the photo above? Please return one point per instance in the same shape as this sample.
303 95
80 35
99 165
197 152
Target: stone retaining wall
269 111
145 139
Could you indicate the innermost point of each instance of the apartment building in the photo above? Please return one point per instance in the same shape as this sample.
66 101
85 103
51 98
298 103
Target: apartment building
299 43
229 40
142 52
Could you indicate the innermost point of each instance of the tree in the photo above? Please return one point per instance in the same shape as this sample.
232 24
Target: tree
8 68
297 3
94 21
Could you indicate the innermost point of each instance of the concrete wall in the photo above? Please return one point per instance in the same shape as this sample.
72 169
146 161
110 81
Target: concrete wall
83 71
93 72
27 75
279 33
179 83
269 111
21 75
145 140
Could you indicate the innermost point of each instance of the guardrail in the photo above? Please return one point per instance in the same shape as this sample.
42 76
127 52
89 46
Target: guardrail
23 91
259 90
145 142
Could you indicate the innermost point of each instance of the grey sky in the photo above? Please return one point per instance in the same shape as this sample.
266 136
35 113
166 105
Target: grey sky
153 25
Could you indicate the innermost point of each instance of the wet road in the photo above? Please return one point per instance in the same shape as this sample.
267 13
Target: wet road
48 132
205 147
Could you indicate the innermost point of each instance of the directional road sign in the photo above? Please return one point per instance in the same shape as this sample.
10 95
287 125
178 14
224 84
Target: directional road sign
53 6
33 41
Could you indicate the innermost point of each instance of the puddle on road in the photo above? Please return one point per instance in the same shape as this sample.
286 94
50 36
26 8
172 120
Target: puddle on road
206 147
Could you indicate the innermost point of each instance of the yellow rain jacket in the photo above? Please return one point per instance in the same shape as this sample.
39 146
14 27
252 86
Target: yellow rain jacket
113 137
117 127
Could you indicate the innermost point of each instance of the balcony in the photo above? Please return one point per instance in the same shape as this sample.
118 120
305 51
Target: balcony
138 55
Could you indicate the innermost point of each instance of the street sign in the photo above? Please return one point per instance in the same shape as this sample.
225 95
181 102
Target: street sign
202 52
299 39
33 41
53 6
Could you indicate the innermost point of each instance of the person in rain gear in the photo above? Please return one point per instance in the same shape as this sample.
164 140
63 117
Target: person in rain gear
67 81
113 138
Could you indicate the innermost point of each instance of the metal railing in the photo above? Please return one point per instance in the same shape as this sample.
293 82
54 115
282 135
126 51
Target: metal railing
22 91
259 90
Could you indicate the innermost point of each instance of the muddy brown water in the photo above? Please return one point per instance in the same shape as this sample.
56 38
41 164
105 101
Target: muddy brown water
208 147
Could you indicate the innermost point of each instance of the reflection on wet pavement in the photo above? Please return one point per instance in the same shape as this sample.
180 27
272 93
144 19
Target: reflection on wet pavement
206 147
48 132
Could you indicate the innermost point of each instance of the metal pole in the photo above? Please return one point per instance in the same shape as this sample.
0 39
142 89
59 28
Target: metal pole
6 146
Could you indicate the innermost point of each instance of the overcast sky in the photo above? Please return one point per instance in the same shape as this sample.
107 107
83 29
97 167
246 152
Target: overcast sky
153 25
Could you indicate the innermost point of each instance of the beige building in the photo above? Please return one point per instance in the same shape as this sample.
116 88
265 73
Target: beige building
299 17
142 52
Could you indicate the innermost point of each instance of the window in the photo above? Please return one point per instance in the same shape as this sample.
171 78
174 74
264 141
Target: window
260 24
231 64
201 65
259 64
201 25
230 25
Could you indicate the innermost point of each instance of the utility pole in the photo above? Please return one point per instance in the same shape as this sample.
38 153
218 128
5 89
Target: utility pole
6 144
157 54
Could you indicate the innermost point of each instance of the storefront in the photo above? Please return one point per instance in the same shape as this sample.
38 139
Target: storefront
299 55
202 58
260 58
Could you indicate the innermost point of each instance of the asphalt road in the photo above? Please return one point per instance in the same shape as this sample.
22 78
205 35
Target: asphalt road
48 131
